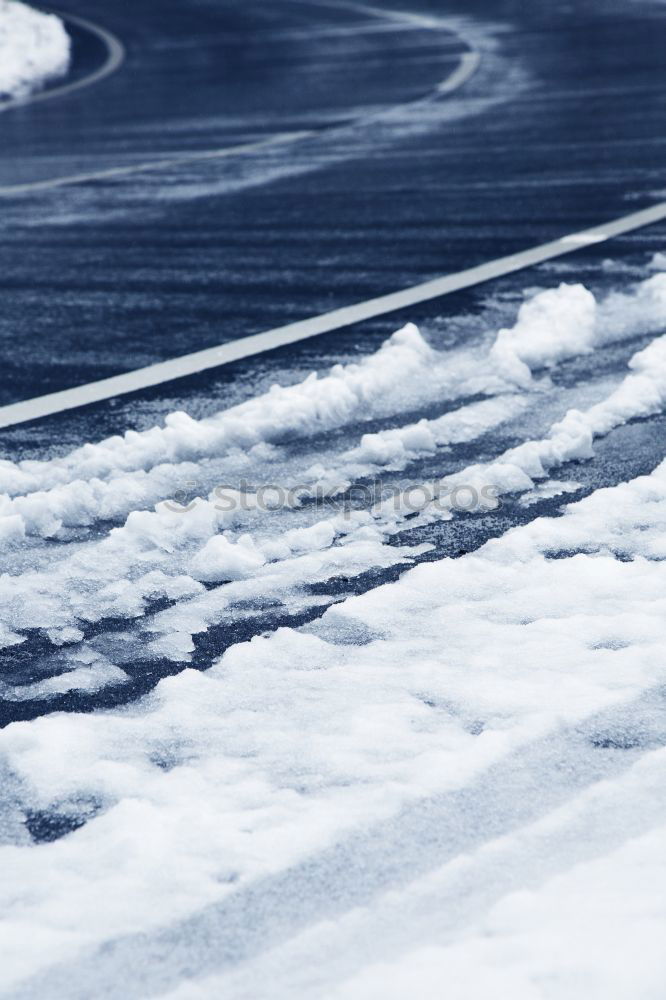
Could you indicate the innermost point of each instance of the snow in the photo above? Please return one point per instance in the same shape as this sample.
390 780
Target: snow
503 706
567 321
556 324
221 559
34 48
595 931
109 479
461 923
297 740
314 404
164 554
395 448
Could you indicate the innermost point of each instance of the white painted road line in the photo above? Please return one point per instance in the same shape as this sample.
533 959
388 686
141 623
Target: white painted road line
469 63
338 319
174 161
115 57
467 66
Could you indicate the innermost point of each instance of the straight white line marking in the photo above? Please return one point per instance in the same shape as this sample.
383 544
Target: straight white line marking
115 57
212 357
584 239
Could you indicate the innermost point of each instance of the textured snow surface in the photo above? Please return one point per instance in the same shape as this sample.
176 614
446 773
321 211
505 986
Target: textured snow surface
34 48
450 784
293 741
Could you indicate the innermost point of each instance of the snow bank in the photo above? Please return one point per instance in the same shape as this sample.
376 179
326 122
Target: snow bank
404 372
108 480
157 551
34 48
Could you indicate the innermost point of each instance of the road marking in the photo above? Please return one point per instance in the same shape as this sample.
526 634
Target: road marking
338 319
468 64
115 57
585 239
208 154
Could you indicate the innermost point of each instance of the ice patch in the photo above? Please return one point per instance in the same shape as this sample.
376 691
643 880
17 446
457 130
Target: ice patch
34 48
96 673
547 490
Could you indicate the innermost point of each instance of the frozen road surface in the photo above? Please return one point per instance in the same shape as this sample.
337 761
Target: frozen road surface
333 504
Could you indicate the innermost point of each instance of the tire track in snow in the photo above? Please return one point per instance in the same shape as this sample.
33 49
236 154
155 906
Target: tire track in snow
447 903
510 795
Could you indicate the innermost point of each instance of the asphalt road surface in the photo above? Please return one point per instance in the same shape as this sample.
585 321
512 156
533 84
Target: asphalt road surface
248 165
559 129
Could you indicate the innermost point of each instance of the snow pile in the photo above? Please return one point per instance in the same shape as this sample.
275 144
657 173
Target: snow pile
556 324
161 553
221 559
109 479
567 321
295 740
403 371
34 48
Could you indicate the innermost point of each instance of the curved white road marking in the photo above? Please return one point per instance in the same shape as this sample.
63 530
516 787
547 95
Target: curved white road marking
244 347
174 161
468 64
115 57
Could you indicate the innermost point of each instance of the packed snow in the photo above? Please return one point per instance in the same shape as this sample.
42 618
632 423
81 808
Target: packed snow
34 48
300 738
455 777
